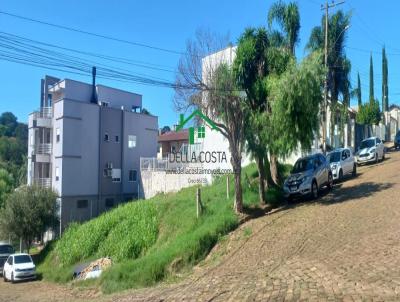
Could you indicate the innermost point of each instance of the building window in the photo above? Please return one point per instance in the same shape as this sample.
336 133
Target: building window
132 175
57 135
104 104
109 202
117 139
201 132
131 141
57 173
82 204
106 137
116 175
107 172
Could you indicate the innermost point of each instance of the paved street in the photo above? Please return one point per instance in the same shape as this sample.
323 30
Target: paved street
345 246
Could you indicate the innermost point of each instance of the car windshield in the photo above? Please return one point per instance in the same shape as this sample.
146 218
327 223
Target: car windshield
367 143
6 249
303 164
22 259
333 157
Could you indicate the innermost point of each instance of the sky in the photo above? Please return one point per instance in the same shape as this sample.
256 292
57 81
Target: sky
169 24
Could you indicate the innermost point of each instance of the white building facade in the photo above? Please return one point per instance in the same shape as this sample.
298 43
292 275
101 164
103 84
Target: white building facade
85 142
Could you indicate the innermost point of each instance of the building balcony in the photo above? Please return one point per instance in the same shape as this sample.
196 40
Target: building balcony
41 118
42 148
42 182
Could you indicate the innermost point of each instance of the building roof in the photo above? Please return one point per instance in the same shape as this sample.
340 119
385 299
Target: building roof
182 135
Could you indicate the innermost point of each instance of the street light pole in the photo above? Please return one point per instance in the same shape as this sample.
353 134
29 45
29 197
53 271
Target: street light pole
324 114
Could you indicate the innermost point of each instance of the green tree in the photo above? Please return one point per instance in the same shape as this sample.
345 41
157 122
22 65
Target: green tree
6 185
251 66
385 87
295 96
339 66
28 212
288 18
369 113
357 91
371 80
9 120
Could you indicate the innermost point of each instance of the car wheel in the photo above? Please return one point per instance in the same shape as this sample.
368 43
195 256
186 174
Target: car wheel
330 181
340 175
12 278
314 190
354 173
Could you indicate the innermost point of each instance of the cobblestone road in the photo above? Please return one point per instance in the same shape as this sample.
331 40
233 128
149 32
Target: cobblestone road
344 247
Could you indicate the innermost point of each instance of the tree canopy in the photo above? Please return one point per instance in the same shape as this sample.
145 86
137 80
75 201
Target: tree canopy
28 212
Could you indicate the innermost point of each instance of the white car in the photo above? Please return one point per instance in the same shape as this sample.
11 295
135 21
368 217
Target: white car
19 267
342 163
371 149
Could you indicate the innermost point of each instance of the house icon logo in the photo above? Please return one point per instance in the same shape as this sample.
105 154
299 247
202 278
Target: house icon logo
201 131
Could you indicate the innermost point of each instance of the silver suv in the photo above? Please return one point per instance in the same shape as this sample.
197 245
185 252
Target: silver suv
308 176
5 251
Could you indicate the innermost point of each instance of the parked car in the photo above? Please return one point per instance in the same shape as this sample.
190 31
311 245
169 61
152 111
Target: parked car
19 267
342 163
397 140
371 149
308 176
5 251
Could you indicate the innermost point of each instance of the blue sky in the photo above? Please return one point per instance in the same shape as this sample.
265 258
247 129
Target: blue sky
168 24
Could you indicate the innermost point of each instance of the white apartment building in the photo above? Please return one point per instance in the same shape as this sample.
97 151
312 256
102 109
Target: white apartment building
85 142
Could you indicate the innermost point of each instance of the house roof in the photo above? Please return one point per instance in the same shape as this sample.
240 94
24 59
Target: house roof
182 135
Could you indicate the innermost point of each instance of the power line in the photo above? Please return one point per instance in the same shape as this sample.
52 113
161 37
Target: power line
92 34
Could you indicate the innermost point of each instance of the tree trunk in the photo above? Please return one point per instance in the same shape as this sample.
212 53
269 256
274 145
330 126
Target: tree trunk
238 205
274 169
236 162
262 182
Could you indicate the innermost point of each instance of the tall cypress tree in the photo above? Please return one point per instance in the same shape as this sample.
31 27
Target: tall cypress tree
371 80
385 88
359 90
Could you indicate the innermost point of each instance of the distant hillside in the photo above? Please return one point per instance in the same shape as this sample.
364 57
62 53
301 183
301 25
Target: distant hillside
13 153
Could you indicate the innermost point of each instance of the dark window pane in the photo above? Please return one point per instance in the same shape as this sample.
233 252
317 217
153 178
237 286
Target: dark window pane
82 204
109 202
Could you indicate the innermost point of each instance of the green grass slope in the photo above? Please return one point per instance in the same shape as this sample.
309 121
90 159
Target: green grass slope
150 240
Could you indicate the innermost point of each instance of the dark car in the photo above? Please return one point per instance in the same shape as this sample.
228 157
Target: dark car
5 251
308 176
397 140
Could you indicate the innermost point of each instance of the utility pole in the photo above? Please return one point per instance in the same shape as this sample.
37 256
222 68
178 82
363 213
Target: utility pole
326 7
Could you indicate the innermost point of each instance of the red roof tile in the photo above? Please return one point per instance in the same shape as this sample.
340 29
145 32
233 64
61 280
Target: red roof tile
182 135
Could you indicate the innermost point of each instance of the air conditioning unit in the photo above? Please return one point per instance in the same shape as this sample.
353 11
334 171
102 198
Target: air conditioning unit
109 165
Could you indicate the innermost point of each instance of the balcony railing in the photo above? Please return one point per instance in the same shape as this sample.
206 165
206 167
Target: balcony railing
44 112
42 182
42 148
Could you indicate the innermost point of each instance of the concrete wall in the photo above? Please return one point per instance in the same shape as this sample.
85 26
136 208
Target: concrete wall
110 151
145 128
76 155
156 182
118 98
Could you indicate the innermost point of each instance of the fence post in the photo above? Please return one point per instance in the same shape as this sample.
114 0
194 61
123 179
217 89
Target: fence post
227 186
198 202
